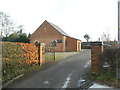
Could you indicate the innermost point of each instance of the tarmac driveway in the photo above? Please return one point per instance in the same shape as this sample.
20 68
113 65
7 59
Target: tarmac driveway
64 74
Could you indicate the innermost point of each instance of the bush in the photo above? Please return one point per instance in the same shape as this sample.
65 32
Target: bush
13 61
108 58
11 58
108 71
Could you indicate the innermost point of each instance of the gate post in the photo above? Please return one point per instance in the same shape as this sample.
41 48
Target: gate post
96 50
38 44
42 51
41 47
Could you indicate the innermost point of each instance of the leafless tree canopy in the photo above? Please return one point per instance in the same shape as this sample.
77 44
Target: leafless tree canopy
106 37
6 24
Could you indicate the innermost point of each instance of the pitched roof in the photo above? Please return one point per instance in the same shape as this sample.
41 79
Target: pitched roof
58 29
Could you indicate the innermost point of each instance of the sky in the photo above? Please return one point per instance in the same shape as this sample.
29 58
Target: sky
75 17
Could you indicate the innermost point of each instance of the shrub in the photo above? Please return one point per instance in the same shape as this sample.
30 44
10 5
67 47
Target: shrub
108 58
14 61
108 72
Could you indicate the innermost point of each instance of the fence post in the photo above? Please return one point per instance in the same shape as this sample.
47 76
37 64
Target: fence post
96 50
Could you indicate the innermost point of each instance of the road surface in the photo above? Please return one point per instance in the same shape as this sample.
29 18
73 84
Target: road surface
64 74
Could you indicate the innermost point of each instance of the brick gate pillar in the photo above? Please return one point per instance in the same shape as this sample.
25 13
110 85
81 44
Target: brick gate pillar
42 51
96 50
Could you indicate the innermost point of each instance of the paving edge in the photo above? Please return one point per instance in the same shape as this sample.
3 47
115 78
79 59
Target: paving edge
13 80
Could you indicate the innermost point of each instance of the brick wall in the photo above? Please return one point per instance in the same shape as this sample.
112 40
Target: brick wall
71 44
46 34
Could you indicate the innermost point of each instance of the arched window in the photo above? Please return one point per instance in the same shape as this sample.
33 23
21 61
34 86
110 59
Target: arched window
53 43
37 43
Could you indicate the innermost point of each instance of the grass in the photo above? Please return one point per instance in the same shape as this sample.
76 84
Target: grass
51 57
107 80
61 55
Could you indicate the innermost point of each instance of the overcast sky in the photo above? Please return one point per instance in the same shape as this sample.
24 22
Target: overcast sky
75 17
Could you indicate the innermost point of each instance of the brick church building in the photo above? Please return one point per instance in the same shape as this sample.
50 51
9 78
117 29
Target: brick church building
52 35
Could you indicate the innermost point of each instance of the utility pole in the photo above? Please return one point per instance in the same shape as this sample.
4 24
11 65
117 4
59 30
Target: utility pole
119 24
118 60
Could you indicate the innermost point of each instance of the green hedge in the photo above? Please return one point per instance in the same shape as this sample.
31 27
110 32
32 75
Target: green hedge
108 74
13 61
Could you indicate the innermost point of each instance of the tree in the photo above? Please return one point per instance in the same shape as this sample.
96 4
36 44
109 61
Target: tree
87 37
29 37
13 37
6 24
7 27
22 38
1 37
20 28
106 37
18 37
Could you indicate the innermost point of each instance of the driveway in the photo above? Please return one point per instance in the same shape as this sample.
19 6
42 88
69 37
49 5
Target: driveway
64 74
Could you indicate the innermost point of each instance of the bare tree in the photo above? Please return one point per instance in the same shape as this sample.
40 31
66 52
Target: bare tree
6 24
106 37
20 29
